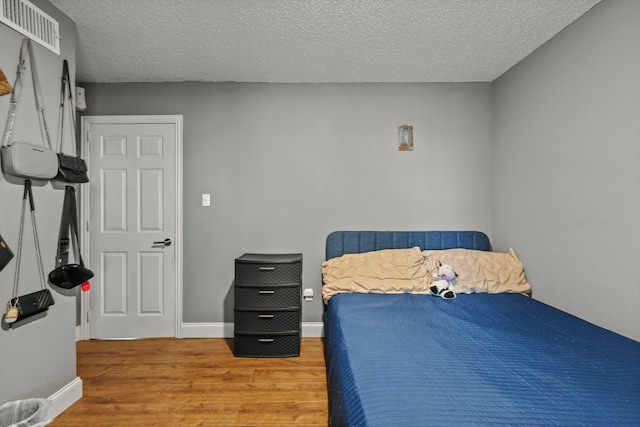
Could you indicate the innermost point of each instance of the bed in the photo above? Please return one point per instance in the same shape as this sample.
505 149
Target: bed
411 359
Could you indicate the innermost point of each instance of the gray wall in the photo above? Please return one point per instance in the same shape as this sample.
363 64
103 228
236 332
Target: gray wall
544 160
286 164
567 175
38 358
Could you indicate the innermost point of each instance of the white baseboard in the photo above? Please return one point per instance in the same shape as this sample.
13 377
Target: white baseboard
225 330
207 330
313 329
65 397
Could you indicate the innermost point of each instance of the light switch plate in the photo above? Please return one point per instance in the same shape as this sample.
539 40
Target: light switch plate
206 200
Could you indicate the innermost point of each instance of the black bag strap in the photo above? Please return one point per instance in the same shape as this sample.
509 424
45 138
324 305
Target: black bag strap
66 93
62 253
69 222
16 278
25 51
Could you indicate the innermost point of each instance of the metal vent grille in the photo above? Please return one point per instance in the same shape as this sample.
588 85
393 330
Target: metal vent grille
27 19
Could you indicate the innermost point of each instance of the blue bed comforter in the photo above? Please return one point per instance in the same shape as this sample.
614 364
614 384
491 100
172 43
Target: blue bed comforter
480 359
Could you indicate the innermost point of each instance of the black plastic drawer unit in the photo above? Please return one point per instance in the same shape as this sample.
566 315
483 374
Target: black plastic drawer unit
267 314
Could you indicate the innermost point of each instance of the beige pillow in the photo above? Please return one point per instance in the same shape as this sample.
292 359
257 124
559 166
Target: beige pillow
385 271
481 271
383 264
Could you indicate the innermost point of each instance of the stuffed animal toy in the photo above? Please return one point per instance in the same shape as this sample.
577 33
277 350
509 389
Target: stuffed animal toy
443 278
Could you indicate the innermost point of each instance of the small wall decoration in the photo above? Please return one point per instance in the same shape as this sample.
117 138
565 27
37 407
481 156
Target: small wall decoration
5 86
405 138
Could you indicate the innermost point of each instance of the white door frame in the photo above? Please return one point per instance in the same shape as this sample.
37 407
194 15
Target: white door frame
85 234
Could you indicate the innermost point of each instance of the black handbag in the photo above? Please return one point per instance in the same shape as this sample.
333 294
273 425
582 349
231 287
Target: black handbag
67 275
33 303
25 306
5 254
71 169
70 275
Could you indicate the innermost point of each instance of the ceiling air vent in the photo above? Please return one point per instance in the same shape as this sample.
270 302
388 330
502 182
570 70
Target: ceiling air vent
27 19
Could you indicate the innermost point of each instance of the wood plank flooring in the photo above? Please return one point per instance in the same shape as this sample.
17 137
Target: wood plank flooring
196 382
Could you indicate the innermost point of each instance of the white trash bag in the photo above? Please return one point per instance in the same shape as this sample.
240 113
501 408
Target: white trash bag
25 413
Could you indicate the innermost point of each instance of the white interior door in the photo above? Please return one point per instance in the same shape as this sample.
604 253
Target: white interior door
134 225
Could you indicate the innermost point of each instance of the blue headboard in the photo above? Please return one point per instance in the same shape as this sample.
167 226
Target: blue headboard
350 242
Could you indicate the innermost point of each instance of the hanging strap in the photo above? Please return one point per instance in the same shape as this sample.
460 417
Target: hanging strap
74 225
62 253
25 51
66 88
16 279
69 222
15 96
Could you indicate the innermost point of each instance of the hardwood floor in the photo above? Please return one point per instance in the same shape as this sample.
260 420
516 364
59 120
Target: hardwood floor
196 382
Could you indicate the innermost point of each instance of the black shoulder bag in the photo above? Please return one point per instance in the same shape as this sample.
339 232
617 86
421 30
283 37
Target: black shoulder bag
5 254
25 306
72 169
67 275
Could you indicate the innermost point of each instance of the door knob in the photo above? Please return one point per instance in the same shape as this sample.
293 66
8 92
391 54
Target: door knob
165 242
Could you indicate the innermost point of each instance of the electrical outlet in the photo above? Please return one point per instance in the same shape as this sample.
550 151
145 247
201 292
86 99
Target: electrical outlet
308 294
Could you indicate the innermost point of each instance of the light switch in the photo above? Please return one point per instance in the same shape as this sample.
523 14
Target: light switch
206 200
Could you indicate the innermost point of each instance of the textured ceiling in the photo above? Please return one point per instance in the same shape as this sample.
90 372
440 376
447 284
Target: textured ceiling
311 40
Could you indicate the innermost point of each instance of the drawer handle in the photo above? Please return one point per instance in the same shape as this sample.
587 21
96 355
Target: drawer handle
266 292
266 316
265 340
266 268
